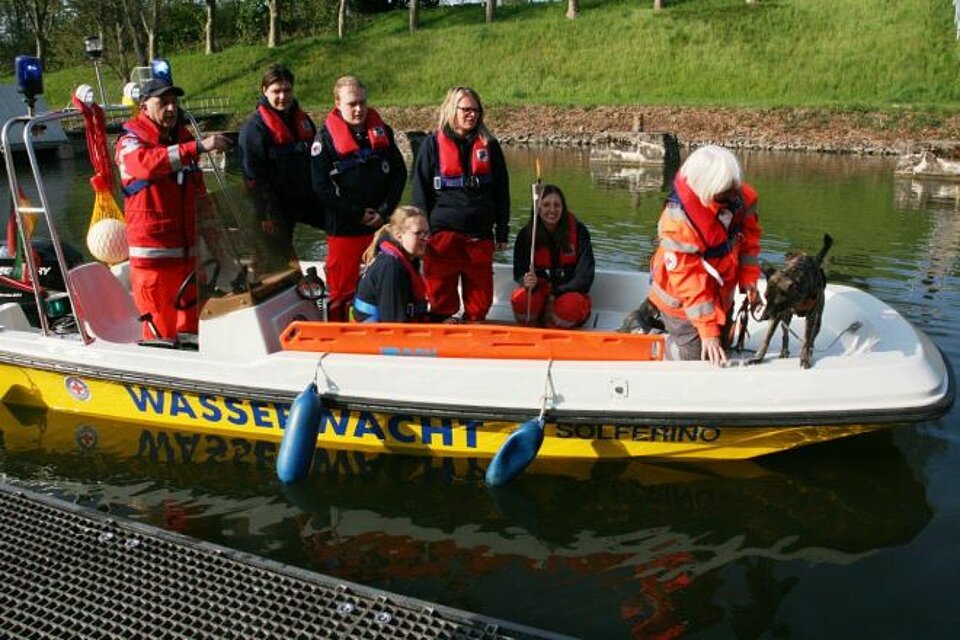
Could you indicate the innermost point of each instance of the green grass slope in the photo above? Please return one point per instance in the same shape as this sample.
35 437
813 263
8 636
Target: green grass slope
838 53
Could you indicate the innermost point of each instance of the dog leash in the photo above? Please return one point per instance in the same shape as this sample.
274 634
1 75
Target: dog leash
741 320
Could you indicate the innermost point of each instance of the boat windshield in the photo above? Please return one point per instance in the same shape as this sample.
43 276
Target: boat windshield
240 261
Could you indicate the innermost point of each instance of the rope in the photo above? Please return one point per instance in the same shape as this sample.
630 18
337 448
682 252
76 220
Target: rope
548 391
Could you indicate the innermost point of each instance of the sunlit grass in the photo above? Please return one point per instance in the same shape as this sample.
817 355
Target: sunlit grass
869 53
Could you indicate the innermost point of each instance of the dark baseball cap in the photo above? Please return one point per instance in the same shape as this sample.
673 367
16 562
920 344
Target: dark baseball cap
157 87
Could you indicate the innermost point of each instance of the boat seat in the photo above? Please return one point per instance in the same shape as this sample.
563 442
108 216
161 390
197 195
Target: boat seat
13 317
105 305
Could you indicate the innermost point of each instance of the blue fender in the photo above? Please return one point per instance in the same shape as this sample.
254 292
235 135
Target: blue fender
300 436
516 453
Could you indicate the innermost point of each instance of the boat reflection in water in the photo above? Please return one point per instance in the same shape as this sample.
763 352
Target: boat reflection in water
641 548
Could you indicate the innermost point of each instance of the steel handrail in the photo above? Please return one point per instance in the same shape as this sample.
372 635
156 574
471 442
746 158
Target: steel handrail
30 123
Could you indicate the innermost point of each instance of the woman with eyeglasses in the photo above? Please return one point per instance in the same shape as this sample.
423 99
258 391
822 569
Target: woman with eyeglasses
460 180
709 246
392 289
556 292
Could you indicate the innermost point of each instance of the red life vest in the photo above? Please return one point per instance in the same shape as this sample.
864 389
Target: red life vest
568 254
160 206
280 133
417 309
452 174
719 240
349 152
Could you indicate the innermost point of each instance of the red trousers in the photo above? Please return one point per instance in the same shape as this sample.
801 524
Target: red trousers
155 290
344 254
569 309
454 259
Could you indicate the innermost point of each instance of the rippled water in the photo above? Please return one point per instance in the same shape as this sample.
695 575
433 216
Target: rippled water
856 538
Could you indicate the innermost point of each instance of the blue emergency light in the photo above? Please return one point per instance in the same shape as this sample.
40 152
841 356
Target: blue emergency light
160 69
29 73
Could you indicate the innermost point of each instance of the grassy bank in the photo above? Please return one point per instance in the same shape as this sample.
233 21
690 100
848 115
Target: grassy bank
860 54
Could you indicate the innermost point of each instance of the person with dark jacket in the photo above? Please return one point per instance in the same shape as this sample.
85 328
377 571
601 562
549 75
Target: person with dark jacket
392 289
275 146
555 292
359 175
461 181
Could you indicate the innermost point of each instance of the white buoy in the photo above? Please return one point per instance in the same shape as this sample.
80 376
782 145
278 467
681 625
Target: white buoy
107 241
84 94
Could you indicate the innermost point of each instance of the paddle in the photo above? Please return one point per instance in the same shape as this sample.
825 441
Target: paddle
521 447
536 187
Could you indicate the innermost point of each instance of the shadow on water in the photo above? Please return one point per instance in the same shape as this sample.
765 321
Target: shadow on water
644 546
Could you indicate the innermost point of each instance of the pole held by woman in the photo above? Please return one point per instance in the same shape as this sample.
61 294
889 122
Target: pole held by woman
535 188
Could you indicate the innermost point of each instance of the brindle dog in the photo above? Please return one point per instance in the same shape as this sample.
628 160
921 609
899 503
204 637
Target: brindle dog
796 289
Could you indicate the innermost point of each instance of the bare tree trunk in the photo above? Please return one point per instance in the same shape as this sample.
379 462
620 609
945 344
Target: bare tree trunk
414 15
572 8
491 13
657 5
210 27
124 69
148 19
134 33
273 35
341 18
40 11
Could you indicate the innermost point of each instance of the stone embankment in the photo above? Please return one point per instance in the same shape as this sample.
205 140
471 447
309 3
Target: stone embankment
894 132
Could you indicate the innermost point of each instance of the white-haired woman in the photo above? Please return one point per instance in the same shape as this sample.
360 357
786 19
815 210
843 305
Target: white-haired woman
460 179
709 245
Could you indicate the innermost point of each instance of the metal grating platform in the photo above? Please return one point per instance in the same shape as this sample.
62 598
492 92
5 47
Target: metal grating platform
71 572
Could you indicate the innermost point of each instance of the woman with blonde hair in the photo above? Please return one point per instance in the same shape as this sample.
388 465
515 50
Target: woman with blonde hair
709 246
392 289
461 181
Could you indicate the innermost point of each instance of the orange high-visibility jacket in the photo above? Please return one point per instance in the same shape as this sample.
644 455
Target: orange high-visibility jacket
704 253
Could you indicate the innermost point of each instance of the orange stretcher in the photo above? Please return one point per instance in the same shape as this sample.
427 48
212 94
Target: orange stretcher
469 341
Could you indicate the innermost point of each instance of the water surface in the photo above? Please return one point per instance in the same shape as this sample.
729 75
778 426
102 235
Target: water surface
857 538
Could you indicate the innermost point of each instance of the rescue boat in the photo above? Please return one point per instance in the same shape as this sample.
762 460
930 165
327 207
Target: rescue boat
437 390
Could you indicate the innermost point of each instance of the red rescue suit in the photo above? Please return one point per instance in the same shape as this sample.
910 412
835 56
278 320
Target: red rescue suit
161 183
705 252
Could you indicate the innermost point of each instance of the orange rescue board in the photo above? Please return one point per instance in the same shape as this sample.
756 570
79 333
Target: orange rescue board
469 341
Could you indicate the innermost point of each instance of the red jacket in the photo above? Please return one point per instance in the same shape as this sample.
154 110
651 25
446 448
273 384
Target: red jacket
700 260
161 182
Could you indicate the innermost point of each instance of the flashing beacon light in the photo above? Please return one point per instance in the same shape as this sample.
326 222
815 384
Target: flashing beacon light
29 74
160 68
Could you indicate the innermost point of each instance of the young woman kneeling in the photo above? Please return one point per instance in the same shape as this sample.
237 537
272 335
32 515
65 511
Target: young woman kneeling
392 289
555 285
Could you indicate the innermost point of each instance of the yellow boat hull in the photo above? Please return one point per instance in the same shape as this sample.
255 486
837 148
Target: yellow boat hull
356 428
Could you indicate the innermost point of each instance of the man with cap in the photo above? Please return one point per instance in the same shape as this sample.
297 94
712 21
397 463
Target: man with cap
161 183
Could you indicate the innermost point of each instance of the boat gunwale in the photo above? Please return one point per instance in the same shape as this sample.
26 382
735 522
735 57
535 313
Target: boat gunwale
768 419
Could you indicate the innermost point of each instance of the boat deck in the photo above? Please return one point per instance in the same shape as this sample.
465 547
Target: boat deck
72 572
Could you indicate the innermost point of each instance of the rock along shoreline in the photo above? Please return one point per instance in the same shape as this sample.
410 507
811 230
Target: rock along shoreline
823 130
